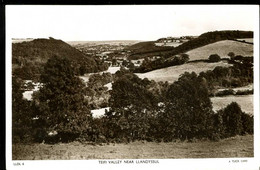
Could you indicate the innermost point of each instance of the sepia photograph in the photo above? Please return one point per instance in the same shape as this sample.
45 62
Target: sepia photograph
132 86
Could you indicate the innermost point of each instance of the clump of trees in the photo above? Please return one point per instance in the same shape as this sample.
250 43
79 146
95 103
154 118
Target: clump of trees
60 104
214 58
231 121
97 94
240 74
187 110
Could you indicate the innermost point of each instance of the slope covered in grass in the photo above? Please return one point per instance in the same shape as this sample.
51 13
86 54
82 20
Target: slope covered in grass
222 48
172 73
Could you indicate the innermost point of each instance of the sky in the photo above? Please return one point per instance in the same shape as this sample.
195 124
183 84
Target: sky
132 22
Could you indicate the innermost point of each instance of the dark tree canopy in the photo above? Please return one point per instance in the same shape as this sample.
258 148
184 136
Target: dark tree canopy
214 58
61 99
188 108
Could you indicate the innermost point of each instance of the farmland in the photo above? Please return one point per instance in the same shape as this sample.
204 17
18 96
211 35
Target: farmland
238 146
222 48
172 73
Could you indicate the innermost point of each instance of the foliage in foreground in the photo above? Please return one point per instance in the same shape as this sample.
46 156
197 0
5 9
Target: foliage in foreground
179 111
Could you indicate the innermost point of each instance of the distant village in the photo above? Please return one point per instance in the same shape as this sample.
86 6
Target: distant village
116 55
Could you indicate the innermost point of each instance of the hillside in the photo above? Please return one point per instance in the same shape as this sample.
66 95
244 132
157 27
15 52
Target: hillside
222 48
142 49
202 40
28 57
172 73
148 48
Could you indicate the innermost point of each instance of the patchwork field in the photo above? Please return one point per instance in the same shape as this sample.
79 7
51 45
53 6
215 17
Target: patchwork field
245 101
222 48
172 73
239 146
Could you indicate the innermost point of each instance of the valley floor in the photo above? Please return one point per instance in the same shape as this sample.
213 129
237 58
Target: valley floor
239 146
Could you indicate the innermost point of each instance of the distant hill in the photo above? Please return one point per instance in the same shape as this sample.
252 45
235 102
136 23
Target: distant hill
148 48
202 40
144 49
208 38
112 42
222 48
28 57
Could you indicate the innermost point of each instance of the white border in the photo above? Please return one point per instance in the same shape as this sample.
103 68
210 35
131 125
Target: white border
222 163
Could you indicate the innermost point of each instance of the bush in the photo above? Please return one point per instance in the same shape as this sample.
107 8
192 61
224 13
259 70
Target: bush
214 58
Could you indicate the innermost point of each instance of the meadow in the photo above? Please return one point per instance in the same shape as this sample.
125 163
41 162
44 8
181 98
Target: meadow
238 146
172 73
222 48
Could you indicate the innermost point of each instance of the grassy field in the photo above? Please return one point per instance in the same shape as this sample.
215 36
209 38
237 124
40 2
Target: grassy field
222 48
239 146
245 101
172 73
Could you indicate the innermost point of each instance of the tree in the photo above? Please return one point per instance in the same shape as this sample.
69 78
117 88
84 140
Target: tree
231 55
232 119
214 58
21 114
61 100
188 109
131 106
